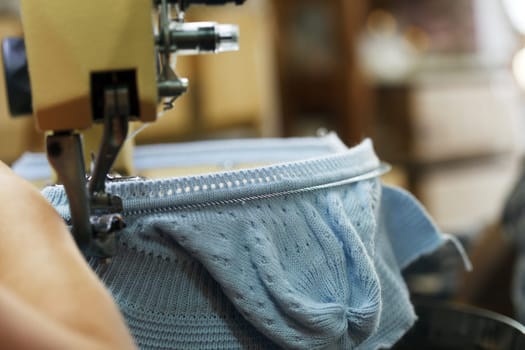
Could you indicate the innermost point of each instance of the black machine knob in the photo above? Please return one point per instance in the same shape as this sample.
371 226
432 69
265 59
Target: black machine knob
18 86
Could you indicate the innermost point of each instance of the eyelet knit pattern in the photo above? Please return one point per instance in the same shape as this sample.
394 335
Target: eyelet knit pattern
275 257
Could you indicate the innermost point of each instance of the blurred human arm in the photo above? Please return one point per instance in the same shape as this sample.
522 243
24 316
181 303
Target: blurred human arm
49 297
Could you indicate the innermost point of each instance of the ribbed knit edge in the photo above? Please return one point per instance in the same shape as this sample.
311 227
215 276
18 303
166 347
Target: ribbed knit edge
150 194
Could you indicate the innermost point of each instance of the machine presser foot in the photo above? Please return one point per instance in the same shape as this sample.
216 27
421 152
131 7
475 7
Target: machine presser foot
95 214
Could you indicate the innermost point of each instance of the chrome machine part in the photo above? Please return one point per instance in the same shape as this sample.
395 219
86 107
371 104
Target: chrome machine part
174 37
169 84
115 132
64 153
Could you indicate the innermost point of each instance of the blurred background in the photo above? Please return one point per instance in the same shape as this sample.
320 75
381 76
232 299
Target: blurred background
439 85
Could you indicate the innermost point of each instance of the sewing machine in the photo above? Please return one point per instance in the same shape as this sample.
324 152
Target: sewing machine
90 62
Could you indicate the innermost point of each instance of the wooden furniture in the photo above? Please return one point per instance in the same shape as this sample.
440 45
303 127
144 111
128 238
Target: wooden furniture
320 83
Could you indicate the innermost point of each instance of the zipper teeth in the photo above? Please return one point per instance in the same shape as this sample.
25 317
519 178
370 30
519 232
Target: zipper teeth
382 169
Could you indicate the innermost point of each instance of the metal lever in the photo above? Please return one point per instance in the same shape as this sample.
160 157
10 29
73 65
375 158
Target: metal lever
105 208
95 214
116 113
64 153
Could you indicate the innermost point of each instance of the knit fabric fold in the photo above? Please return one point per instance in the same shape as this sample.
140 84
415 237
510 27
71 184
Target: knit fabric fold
275 257
285 269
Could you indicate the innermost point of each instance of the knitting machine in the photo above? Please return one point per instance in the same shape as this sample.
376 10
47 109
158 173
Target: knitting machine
86 62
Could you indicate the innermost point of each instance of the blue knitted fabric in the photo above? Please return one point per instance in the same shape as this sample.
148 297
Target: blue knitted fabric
269 257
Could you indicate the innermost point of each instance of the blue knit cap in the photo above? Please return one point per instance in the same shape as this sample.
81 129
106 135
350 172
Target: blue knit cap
292 255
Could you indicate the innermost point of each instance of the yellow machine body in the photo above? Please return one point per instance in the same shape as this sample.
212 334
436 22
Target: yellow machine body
68 40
